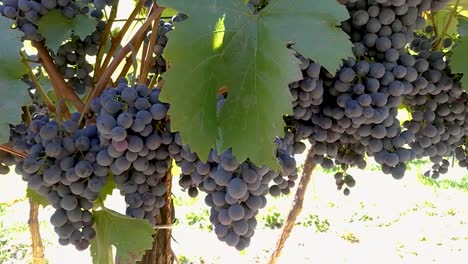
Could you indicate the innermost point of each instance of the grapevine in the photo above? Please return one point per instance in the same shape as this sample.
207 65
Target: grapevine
103 107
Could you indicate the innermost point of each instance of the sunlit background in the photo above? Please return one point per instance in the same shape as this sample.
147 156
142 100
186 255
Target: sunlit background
414 220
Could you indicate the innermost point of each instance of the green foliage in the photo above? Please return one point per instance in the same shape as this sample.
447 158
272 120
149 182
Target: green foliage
131 237
200 218
106 190
321 226
224 45
417 163
462 27
11 249
13 91
56 28
461 185
37 198
459 60
273 220
350 237
442 19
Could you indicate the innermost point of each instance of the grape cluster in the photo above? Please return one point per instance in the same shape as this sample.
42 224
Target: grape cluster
134 133
60 165
438 108
352 114
308 92
72 62
160 65
27 13
235 190
71 56
18 132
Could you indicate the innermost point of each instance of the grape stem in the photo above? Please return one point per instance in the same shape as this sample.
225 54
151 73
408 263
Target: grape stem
105 36
118 39
154 81
451 16
296 207
62 89
130 60
10 150
106 75
26 115
38 85
147 61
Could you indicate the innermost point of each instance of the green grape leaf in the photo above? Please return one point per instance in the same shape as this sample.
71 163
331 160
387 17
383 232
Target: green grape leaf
83 26
442 19
224 45
37 198
462 26
13 91
459 60
106 190
130 236
4 132
56 29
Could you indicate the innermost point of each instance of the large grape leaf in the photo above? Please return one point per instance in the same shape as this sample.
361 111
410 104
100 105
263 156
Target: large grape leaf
13 91
462 26
459 60
131 237
56 29
223 44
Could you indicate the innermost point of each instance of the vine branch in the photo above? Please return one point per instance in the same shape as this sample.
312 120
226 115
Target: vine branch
118 39
130 59
105 36
296 207
10 150
147 61
106 75
62 89
38 85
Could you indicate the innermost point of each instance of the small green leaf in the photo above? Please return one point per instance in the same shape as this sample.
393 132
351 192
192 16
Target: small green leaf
131 237
459 60
13 91
462 26
55 28
169 12
37 198
83 26
106 190
223 44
